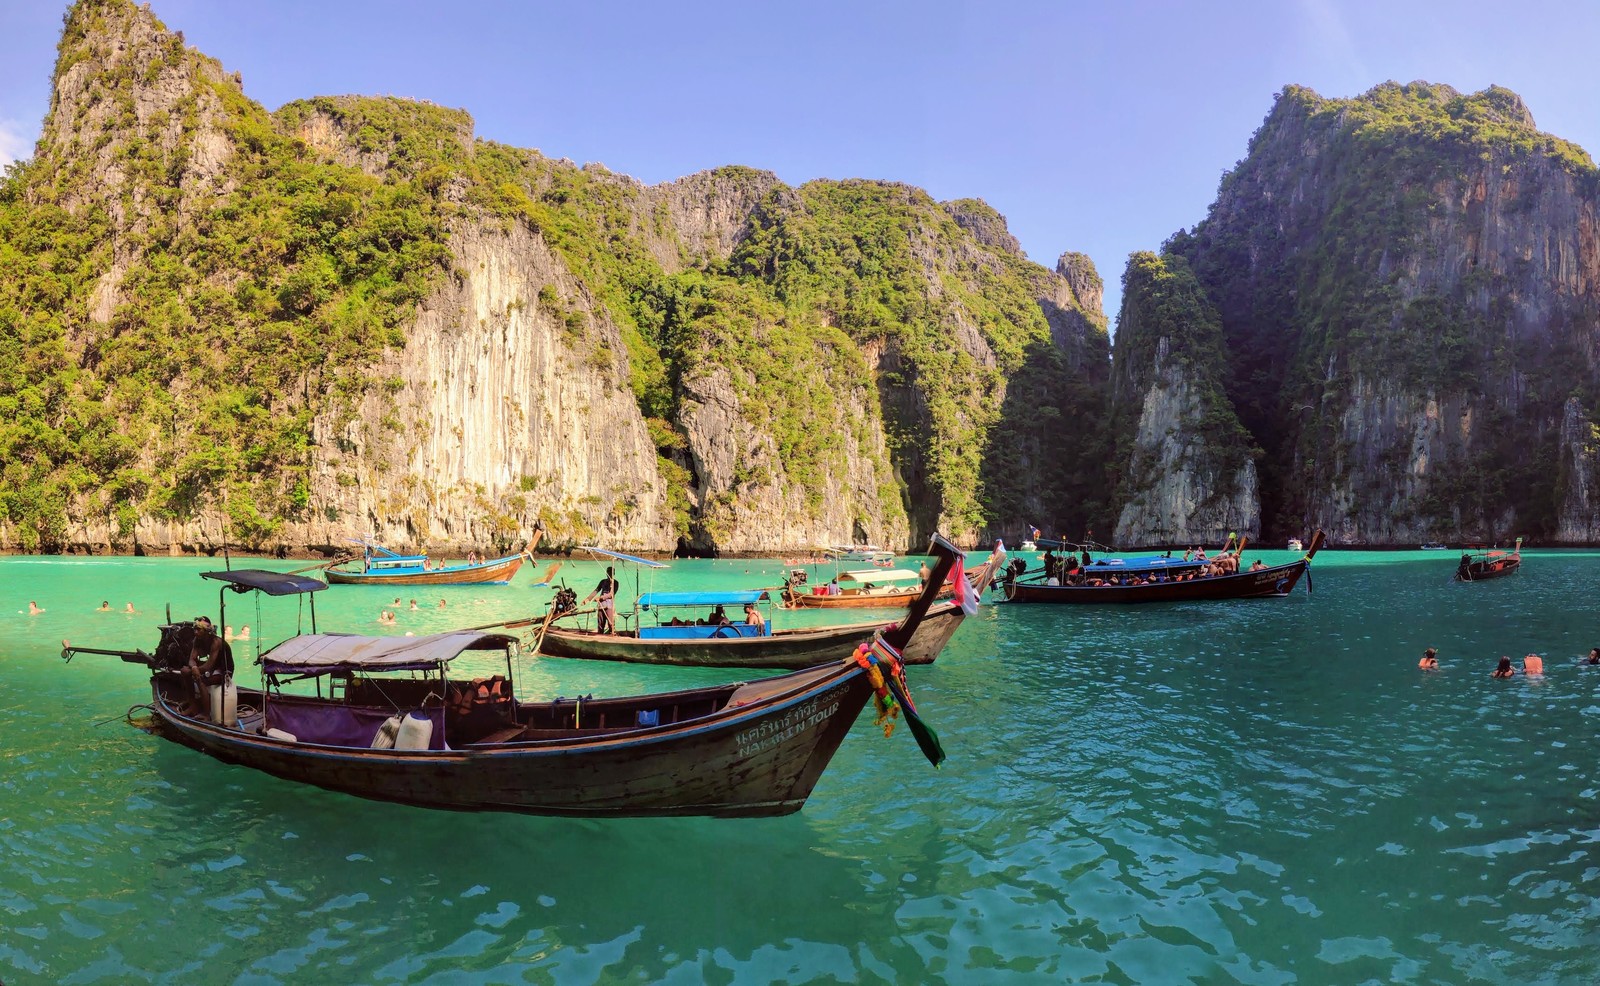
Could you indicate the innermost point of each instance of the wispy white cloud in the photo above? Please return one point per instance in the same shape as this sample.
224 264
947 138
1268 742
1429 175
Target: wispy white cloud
16 142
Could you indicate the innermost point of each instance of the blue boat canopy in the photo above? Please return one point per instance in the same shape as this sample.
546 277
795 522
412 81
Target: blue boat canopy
272 583
378 551
647 563
736 597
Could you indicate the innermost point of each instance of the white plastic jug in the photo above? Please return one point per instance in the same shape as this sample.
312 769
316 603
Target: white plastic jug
224 704
415 733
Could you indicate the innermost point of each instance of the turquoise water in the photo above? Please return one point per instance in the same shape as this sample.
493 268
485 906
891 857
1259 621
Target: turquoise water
1256 792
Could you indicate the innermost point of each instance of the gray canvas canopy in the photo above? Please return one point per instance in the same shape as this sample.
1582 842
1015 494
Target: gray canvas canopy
324 653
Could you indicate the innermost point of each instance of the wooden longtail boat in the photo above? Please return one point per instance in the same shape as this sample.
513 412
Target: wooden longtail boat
740 644
380 566
1270 582
395 726
1484 565
860 589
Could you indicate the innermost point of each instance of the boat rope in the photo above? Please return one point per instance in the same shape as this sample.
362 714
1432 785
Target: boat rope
126 716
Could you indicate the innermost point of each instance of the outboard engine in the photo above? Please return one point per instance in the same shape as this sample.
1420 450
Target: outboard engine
565 601
172 653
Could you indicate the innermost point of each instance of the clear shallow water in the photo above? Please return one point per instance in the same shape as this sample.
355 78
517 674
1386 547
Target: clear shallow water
1256 792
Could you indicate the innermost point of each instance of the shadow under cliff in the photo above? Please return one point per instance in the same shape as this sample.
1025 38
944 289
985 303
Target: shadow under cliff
1046 461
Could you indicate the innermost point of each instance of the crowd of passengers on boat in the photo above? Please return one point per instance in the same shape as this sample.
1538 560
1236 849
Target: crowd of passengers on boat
1071 569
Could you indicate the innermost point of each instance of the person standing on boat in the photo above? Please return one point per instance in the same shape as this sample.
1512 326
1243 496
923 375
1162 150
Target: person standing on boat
210 658
923 573
606 608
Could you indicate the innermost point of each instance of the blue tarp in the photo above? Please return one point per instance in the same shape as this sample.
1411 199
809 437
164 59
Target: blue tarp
704 632
736 597
1145 563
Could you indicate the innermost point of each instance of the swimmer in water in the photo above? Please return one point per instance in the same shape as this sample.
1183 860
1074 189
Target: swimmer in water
1504 669
1533 664
1430 659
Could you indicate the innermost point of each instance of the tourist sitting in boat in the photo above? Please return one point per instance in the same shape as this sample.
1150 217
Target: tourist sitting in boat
1504 669
210 659
718 618
1430 659
753 617
1257 565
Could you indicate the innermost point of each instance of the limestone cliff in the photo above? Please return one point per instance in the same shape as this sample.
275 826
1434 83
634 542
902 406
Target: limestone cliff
1407 282
1189 474
352 317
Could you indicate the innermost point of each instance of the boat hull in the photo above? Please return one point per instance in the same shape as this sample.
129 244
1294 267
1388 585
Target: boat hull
496 572
1484 571
783 650
1274 582
759 758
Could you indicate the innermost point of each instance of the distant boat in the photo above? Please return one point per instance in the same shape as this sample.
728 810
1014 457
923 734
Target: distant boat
380 566
869 588
1434 546
869 553
1028 546
1484 565
1296 545
1163 587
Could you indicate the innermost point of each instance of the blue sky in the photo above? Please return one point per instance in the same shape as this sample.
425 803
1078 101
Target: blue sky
1096 127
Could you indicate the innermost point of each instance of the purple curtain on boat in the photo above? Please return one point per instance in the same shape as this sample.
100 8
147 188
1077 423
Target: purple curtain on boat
337 725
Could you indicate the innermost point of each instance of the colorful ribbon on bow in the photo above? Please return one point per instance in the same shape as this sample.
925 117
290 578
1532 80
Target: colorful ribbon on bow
887 675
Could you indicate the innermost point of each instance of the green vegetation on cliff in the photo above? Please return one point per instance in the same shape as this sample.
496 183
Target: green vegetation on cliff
888 266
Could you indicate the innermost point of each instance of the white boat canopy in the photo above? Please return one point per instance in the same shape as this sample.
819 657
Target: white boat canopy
877 575
323 653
